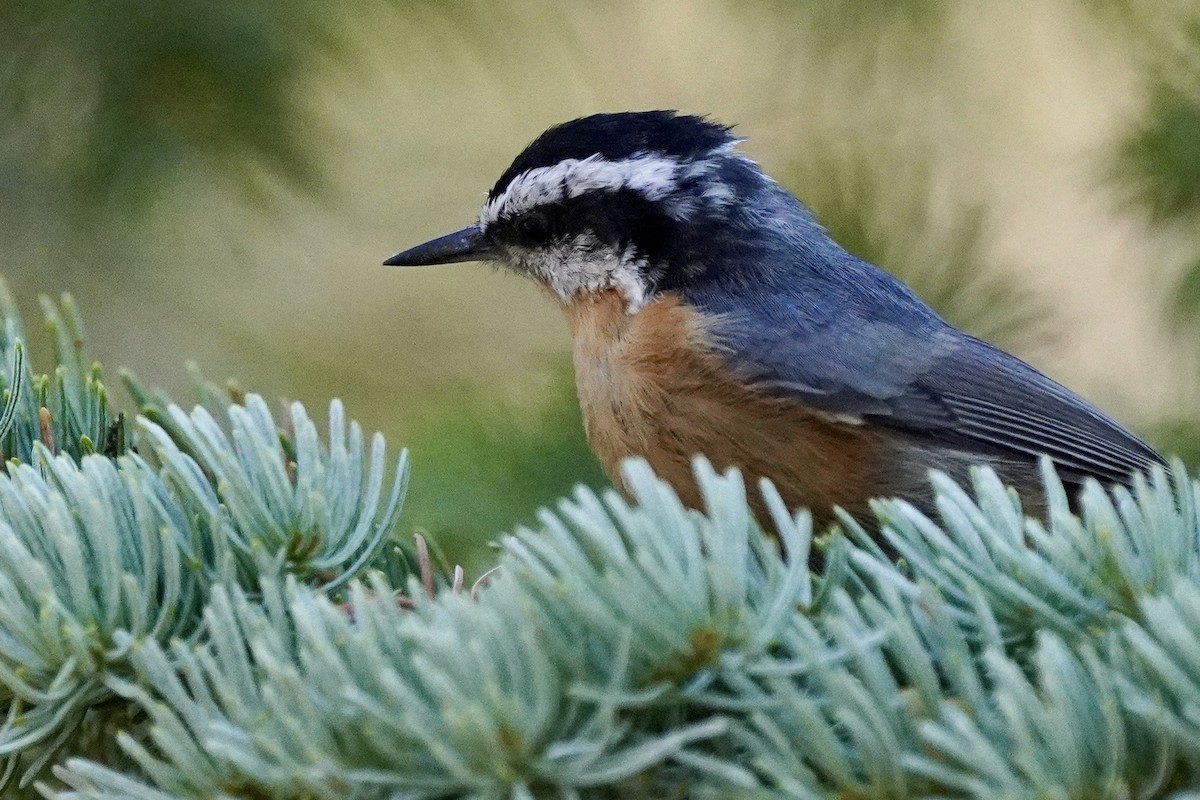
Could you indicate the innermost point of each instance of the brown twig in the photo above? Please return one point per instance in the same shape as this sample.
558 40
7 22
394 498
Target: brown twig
424 565
45 429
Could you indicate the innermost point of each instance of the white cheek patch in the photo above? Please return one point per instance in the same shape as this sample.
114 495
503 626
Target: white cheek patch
654 177
584 265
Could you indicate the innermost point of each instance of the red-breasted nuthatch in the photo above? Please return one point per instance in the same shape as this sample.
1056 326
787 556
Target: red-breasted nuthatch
712 315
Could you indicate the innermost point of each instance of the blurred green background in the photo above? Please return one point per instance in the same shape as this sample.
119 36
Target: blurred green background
219 182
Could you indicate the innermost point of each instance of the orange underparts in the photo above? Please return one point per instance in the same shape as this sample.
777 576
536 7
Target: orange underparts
655 384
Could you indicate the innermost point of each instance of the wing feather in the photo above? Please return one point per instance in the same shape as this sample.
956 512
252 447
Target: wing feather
923 377
999 399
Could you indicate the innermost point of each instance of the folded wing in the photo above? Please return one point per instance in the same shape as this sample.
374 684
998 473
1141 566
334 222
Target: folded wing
919 376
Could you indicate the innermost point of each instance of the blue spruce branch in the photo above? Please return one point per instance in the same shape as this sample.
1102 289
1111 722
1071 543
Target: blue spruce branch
640 649
212 604
102 546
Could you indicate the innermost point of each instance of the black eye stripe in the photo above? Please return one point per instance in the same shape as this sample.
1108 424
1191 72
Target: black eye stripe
622 219
532 225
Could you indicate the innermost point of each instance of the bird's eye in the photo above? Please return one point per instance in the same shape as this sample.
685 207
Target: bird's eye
532 226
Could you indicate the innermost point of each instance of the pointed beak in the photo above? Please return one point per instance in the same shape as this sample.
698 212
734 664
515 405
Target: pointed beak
465 245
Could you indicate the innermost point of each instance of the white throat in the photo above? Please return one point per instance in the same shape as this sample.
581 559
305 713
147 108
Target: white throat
584 265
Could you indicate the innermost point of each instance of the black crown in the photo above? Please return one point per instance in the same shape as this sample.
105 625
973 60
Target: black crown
619 136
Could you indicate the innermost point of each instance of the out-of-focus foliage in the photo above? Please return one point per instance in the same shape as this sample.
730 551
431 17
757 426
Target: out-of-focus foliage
107 102
1186 298
851 24
485 465
1180 436
1155 167
882 210
1159 160
1156 162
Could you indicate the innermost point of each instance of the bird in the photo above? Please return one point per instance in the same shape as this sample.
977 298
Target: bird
711 314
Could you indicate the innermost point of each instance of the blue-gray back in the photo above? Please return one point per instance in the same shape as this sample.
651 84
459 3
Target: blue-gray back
802 318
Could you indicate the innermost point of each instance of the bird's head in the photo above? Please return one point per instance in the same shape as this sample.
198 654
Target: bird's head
622 201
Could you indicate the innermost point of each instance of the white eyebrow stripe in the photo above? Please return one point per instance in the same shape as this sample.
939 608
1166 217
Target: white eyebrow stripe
653 176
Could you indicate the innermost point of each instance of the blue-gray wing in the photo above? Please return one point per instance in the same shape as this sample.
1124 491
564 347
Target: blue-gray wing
917 375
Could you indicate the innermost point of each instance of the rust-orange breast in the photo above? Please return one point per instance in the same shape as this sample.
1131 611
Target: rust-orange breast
654 384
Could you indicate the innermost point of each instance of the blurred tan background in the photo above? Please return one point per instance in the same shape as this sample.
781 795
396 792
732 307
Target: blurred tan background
221 184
